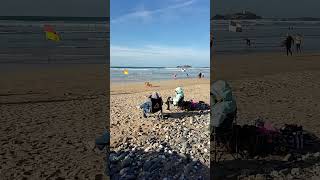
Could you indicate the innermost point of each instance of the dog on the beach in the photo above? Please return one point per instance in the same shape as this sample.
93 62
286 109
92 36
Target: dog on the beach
148 84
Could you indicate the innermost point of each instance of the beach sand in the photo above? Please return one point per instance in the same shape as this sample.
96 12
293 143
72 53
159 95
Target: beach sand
275 88
147 139
50 117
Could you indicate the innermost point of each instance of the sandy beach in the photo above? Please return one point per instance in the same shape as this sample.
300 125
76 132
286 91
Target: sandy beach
177 146
275 88
50 116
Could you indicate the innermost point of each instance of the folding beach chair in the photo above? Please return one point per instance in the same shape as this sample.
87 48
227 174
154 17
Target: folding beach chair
156 106
226 139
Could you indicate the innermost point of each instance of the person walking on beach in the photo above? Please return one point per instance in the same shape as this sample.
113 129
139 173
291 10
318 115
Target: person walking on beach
200 75
298 42
248 41
174 76
288 42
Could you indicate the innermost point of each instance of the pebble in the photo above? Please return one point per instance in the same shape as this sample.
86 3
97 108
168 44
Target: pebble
274 174
317 154
295 171
149 153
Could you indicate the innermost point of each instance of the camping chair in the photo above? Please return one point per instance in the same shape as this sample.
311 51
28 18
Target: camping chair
226 138
156 106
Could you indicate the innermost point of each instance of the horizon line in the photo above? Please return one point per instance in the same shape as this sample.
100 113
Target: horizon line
55 18
157 67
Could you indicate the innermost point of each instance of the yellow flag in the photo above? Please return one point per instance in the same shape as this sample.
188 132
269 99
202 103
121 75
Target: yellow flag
52 36
126 72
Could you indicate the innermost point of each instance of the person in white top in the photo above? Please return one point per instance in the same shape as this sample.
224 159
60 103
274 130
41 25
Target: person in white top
298 42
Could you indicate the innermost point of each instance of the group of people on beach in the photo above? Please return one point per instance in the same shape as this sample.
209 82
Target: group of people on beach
297 39
200 75
287 43
154 103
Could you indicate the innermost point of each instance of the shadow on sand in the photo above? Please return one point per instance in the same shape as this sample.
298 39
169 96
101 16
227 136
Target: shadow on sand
182 114
307 157
150 165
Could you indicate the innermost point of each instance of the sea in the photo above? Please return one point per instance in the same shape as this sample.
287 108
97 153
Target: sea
266 35
155 74
83 40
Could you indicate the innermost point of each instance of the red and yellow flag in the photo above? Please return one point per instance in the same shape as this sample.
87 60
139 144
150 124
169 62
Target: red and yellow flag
51 34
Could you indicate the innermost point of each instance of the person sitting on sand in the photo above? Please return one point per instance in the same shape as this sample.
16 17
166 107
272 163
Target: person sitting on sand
177 99
152 104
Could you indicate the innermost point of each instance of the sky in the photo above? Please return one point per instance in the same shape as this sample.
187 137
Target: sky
269 8
78 8
160 33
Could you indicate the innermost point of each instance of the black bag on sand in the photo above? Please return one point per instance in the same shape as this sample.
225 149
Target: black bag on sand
293 135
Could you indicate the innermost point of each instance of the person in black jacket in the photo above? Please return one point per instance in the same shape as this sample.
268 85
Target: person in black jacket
289 41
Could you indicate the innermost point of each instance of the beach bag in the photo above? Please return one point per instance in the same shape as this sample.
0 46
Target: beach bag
294 135
198 106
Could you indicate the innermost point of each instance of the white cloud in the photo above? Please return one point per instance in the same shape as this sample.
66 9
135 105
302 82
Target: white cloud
153 53
147 14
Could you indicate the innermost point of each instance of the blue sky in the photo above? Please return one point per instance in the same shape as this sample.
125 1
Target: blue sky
160 33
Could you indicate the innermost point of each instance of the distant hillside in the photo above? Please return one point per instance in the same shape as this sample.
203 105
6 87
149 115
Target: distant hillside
238 16
248 15
52 18
300 19
184 66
